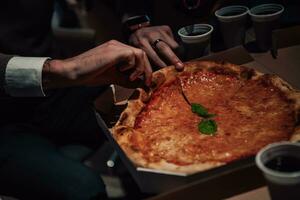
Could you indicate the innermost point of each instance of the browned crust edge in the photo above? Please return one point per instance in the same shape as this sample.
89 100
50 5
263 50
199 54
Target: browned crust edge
124 127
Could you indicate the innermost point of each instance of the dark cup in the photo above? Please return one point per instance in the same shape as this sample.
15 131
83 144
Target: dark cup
266 18
280 164
195 40
232 20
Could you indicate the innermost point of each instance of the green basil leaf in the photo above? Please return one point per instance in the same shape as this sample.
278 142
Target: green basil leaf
210 115
207 127
201 110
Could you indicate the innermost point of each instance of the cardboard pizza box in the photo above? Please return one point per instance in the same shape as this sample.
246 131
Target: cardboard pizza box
239 56
235 177
286 65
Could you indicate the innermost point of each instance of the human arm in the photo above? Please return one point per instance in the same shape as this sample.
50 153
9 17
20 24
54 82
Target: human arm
95 67
98 66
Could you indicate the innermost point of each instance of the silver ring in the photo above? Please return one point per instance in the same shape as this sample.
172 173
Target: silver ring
154 44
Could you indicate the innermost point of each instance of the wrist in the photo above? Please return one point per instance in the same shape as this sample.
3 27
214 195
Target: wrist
57 73
132 24
135 27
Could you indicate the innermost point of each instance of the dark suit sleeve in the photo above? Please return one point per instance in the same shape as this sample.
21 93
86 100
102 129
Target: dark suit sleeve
137 7
133 7
3 62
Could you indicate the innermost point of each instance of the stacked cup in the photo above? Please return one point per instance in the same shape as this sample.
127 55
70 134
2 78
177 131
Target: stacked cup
265 19
233 24
233 20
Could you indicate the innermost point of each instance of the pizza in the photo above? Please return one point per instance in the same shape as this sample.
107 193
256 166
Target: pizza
208 115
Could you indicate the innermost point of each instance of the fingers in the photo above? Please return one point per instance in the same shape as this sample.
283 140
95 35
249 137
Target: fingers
169 40
168 31
148 70
139 67
145 45
99 66
144 38
141 64
170 55
127 65
137 59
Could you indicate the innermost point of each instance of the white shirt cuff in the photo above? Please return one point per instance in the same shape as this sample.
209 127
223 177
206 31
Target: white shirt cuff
23 76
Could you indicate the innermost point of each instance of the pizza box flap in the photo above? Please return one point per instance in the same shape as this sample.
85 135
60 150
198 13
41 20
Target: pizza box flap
286 65
104 102
236 55
121 94
286 37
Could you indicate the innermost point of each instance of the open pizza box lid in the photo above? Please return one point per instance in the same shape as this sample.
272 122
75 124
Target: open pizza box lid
157 181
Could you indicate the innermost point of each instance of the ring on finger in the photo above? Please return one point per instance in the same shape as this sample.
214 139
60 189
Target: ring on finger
154 44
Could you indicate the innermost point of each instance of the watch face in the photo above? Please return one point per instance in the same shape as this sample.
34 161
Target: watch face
137 20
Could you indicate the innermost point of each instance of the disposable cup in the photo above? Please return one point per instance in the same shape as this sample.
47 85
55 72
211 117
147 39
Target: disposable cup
232 20
280 164
266 18
196 40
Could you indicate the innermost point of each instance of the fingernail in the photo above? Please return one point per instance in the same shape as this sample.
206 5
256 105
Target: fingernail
179 65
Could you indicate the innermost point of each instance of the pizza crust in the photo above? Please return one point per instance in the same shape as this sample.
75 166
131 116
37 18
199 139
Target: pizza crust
125 125
121 134
294 96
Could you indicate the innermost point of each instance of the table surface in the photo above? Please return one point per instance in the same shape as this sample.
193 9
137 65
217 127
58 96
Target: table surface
257 194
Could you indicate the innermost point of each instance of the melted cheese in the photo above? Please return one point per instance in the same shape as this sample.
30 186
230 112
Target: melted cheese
249 115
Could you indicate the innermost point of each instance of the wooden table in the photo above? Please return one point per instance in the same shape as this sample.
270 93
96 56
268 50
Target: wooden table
257 194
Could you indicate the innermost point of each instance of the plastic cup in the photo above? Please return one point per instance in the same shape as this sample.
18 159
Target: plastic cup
266 18
280 164
232 20
196 40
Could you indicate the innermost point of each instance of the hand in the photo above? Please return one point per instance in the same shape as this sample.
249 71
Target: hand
144 38
98 67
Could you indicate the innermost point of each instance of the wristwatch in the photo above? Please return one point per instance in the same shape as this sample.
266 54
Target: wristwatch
136 22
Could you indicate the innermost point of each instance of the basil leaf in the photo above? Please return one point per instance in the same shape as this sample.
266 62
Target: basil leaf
210 115
201 110
207 127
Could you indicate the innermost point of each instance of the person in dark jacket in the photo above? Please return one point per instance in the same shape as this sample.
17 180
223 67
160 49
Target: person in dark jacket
46 101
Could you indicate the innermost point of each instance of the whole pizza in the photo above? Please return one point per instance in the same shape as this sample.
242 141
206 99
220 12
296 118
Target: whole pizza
208 115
